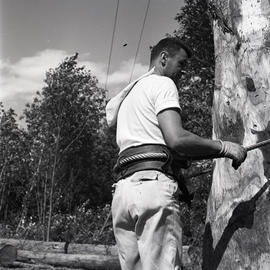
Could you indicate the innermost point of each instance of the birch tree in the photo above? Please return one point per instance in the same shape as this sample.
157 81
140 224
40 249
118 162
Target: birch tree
237 234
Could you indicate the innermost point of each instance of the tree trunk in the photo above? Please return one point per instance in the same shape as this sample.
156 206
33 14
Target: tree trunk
237 234
52 184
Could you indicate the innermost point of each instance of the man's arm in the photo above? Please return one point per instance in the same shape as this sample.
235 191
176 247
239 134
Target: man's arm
191 145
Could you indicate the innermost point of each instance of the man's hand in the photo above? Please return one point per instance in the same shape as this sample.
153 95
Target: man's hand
234 151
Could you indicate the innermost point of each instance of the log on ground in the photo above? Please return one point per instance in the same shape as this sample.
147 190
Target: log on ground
72 260
58 247
79 255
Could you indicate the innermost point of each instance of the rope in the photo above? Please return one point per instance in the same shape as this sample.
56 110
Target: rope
111 47
139 43
138 157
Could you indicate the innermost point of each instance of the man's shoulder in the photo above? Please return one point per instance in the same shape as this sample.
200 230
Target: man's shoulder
159 81
159 78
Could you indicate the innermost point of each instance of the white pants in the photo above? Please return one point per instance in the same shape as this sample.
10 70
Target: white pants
146 222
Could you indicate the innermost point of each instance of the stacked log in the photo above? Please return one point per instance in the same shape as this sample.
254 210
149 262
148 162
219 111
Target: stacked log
83 256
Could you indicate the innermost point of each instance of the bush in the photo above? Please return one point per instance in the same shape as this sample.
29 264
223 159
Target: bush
85 226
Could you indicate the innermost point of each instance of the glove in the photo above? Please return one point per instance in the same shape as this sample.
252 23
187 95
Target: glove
234 151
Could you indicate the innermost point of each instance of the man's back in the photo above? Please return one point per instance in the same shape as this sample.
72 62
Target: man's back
137 118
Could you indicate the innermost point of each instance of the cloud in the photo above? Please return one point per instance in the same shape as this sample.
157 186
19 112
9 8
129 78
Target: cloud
26 75
20 80
123 74
121 77
117 79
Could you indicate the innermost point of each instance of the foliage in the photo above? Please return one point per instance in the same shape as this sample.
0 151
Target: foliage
197 84
196 92
84 226
65 156
13 162
64 122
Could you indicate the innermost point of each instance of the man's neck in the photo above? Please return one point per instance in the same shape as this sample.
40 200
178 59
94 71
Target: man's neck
157 71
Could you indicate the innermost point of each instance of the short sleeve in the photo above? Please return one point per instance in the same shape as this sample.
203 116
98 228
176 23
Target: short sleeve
166 96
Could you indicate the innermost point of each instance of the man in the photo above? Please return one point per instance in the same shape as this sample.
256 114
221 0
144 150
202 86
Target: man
145 207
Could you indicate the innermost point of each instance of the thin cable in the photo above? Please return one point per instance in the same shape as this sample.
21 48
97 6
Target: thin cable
108 69
139 43
112 41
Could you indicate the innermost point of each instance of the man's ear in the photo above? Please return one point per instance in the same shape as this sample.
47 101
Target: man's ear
163 58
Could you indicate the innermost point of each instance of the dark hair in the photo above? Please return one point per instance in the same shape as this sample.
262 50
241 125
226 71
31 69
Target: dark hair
172 45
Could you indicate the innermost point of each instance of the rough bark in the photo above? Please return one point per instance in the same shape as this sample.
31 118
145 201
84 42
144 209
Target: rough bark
237 234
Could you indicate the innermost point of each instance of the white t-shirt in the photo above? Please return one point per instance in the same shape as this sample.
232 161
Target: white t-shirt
137 121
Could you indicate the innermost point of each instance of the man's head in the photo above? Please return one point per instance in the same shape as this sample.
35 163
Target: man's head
169 56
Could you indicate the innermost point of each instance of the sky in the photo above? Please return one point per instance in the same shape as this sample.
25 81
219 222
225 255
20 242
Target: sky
36 35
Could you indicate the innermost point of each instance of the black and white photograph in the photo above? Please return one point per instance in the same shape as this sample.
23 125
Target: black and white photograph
135 135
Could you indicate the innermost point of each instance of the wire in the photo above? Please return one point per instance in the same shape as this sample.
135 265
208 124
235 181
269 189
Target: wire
139 43
108 69
112 41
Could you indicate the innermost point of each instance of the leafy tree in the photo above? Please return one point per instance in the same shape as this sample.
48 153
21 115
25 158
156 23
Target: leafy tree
196 90
13 163
65 123
197 84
